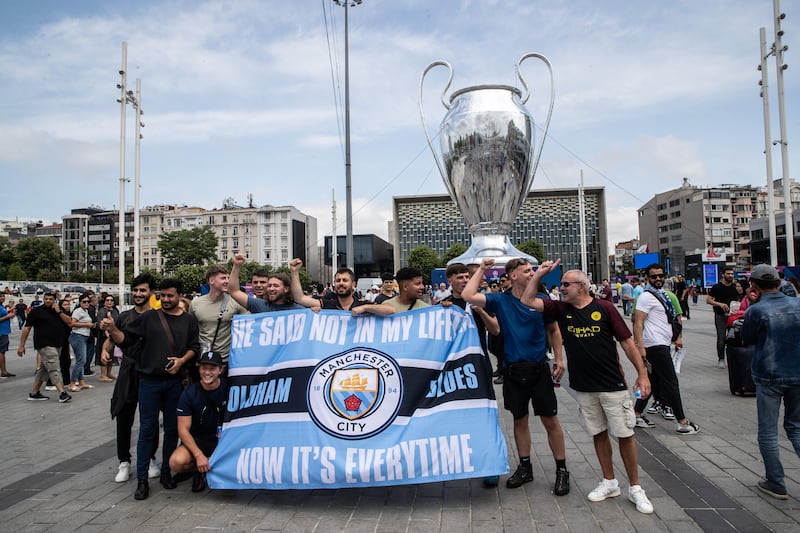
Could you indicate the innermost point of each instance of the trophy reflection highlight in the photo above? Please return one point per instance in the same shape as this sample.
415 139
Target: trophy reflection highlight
488 158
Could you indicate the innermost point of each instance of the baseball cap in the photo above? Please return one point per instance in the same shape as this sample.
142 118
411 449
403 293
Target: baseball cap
764 273
210 358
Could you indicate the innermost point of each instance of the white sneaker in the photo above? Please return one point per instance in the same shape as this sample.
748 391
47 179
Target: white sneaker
608 488
124 472
639 498
153 470
50 387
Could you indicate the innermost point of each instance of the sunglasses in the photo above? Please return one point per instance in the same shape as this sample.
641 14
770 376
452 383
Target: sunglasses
656 276
568 283
84 301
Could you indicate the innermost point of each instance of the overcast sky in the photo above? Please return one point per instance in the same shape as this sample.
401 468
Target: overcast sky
245 97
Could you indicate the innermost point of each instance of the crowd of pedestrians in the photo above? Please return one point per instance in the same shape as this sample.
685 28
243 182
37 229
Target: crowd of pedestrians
172 359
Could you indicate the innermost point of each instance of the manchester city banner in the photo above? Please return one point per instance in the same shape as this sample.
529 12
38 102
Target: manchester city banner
327 400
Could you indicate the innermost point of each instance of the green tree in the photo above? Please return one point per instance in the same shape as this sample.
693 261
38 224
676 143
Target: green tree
155 273
38 254
305 277
16 273
424 258
7 256
192 276
196 246
246 272
532 247
453 252
50 274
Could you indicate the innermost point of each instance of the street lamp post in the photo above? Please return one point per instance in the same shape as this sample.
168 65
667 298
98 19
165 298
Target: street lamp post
128 97
348 181
123 100
137 105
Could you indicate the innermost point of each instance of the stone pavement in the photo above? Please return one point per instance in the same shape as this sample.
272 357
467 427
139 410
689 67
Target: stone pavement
58 465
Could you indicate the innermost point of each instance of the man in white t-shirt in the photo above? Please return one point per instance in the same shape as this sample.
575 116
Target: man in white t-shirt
652 334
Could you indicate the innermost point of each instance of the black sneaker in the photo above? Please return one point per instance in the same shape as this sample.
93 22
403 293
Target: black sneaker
498 372
142 490
37 396
64 397
522 475
166 480
561 486
8 375
489 482
198 482
89 373
499 379
773 490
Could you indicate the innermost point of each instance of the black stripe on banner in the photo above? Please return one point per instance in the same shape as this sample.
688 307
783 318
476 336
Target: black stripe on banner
285 391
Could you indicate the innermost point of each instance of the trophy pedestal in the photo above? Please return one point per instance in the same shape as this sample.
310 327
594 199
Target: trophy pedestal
498 247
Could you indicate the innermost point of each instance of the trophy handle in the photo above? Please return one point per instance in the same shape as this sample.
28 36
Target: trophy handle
439 164
527 95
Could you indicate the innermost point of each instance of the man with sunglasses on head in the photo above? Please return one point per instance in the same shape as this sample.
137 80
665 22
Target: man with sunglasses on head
528 376
590 327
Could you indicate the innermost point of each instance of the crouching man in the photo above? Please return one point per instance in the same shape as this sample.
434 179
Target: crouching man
200 413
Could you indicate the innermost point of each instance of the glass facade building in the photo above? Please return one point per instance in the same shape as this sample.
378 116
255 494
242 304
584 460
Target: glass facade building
549 216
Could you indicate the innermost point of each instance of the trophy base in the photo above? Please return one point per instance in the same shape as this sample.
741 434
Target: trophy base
497 247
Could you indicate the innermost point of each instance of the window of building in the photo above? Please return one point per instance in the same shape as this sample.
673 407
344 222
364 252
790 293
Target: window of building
674 203
224 218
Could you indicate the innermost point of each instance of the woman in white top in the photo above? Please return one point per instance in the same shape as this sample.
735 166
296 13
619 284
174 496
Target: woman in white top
81 327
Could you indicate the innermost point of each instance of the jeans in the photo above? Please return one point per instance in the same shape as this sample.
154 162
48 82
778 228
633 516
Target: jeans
661 360
626 307
157 395
78 343
20 321
124 428
768 401
90 351
721 324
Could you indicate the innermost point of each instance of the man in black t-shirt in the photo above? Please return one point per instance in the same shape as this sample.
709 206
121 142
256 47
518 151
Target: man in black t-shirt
200 413
47 322
589 327
720 297
169 340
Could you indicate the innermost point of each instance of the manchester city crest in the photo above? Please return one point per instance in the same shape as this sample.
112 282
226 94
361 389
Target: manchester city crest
355 394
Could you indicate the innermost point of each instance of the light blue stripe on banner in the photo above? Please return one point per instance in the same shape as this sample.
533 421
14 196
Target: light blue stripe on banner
290 456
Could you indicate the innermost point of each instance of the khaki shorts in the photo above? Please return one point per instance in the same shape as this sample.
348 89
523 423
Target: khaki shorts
49 367
612 411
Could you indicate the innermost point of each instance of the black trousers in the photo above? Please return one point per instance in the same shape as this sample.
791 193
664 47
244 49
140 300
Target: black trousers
661 360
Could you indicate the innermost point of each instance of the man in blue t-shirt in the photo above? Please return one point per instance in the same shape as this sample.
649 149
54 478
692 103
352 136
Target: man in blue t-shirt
278 292
200 413
5 330
528 376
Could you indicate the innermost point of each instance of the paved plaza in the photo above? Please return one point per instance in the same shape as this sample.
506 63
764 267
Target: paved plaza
59 461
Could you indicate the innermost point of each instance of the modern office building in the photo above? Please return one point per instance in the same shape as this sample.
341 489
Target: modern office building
373 256
692 222
550 216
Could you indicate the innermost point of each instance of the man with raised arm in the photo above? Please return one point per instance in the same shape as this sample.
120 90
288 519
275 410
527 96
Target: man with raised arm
589 326
528 376
344 287
278 297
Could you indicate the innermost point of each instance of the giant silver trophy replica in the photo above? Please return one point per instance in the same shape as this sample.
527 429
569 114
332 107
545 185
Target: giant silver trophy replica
488 159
